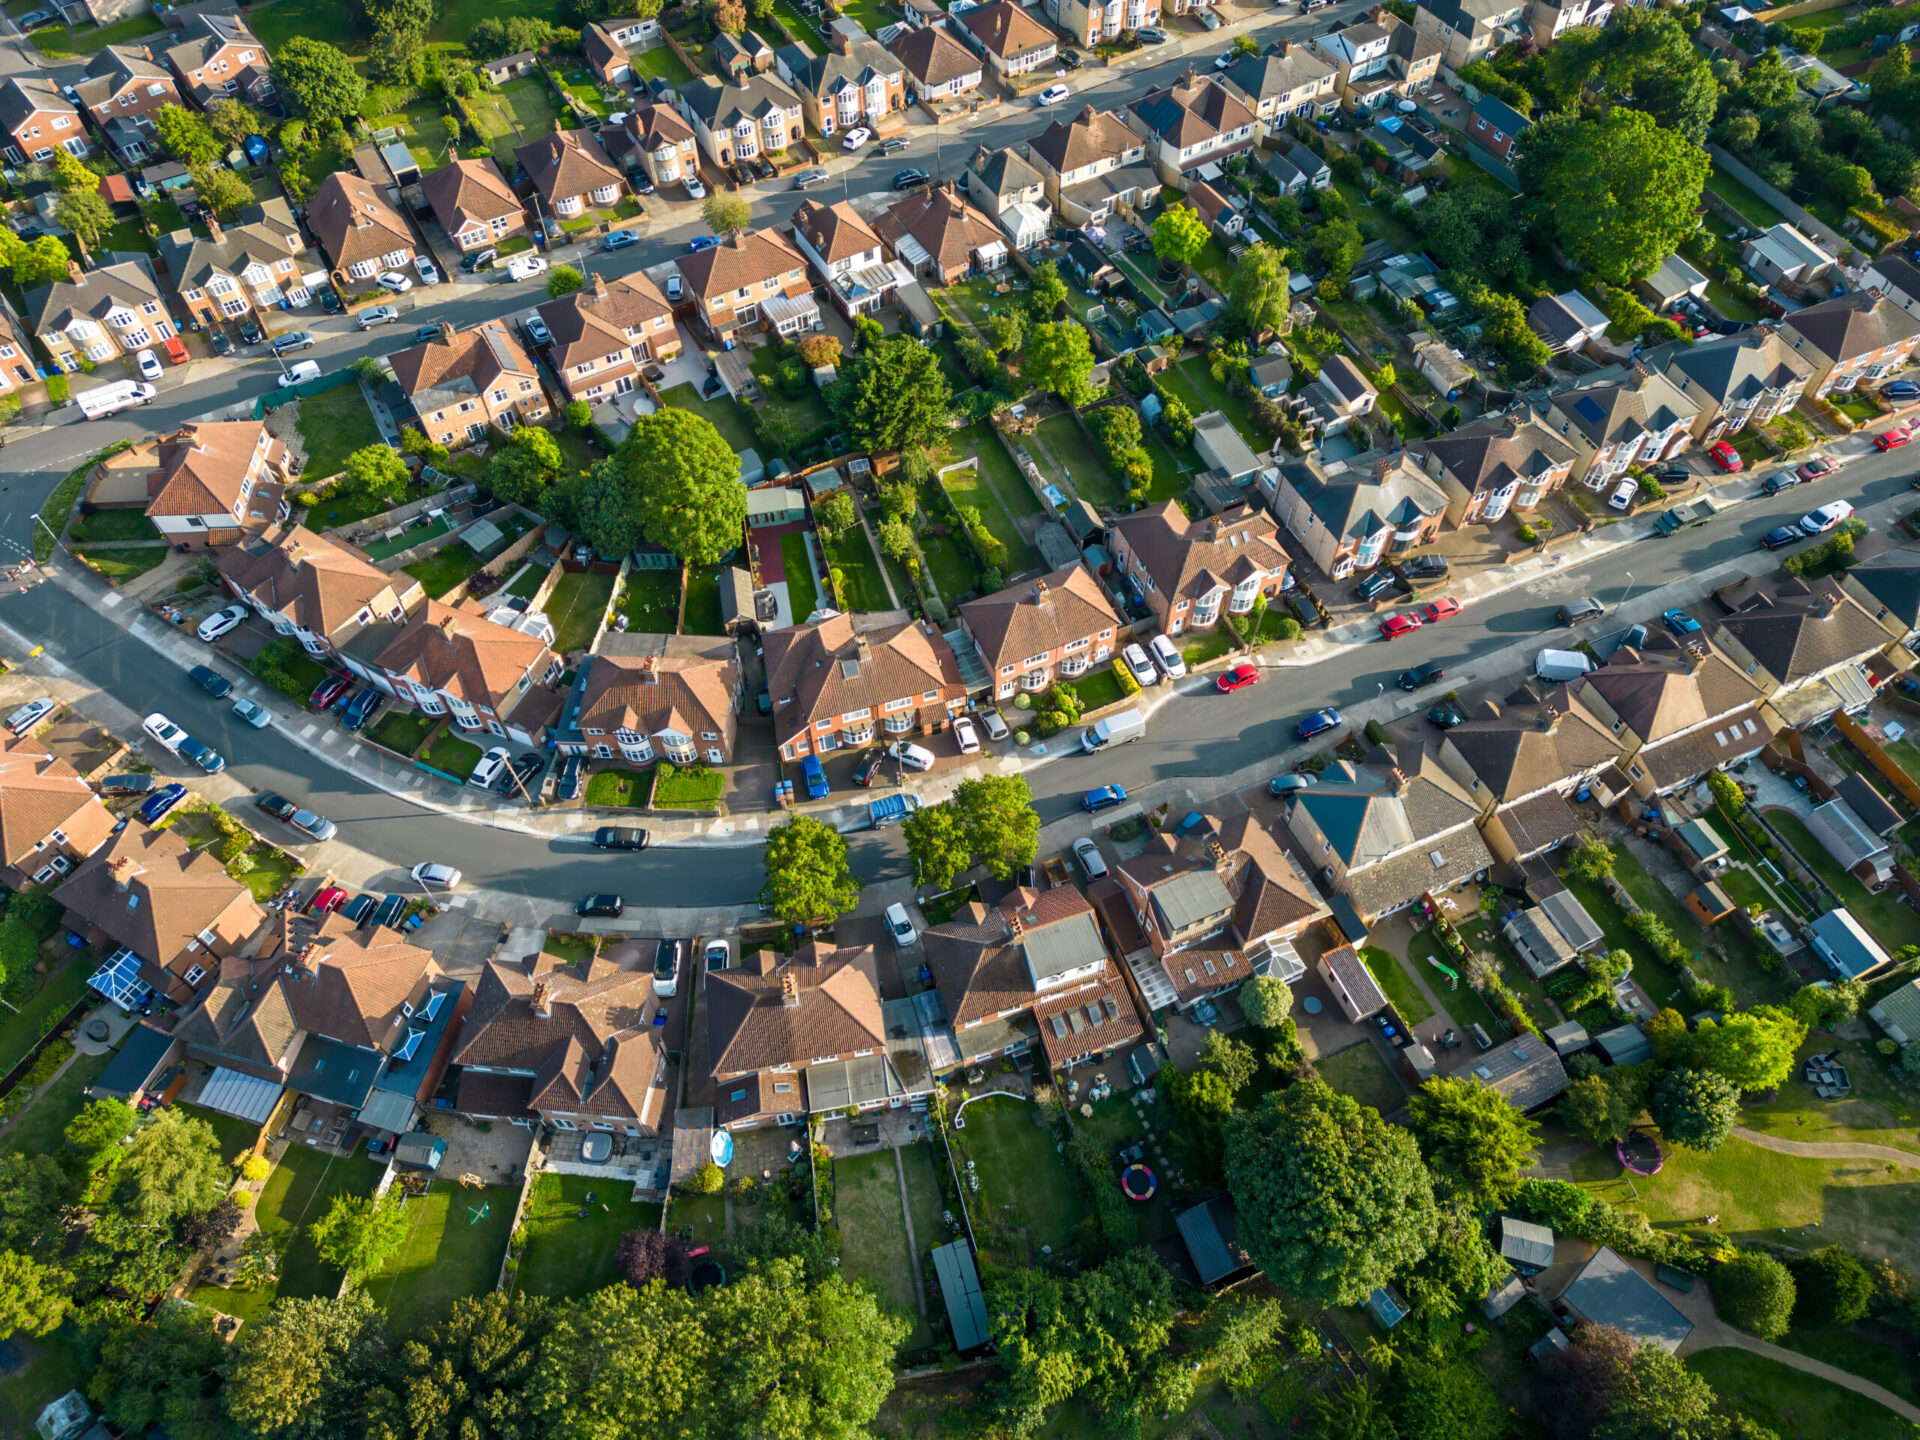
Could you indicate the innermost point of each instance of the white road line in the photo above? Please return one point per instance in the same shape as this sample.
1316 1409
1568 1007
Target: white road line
307 732
111 599
329 737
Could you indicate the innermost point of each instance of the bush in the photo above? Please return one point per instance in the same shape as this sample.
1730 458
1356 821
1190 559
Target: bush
793 377
579 414
1754 1291
707 1180
57 386
1833 1288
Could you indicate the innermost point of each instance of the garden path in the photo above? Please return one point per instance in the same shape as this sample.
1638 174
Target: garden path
1828 1149
913 1242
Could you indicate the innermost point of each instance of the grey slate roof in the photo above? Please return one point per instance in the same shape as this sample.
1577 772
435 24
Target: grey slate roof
128 282
266 233
1735 368
1358 502
1869 806
829 74
1609 1291
1001 171
1893 579
1260 77
721 105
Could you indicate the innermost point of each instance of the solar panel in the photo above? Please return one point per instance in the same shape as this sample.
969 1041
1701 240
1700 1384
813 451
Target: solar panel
1587 408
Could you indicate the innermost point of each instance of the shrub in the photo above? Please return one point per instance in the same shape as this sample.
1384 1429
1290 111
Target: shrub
707 1180
57 386
1755 1292
793 377
579 414
1832 1288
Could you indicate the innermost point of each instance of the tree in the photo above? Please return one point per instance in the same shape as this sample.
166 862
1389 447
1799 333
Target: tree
1353 1412
1446 1399
1266 1001
808 877
33 1296
1617 190
234 120
1333 1201
892 396
1891 81
1831 1287
598 507
302 1370
1049 291
1591 861
1473 1139
1461 1269
469 1377
259 1265
1257 300
172 1168
1471 228
33 1192
188 136
1754 1050
210 1227
1827 1007
646 1256
1179 234
1594 1110
378 473
1060 358
71 175
414 441
564 280
1236 1334
358 1234
1339 242
725 213
318 81
518 474
1003 828
163 1373
937 842
1695 1108
95 1137
818 351
685 483
1657 1398
220 190
86 215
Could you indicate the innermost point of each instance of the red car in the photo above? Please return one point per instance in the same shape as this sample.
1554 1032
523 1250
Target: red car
1892 439
1815 468
1443 608
329 899
1403 624
1238 678
329 690
1727 458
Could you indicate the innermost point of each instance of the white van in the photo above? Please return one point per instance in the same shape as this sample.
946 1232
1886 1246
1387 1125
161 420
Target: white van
299 371
1559 665
110 399
1115 729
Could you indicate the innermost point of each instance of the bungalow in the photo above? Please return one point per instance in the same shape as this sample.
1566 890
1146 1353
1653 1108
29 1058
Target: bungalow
1013 42
938 66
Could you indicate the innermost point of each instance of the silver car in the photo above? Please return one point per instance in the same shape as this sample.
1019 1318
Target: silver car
1092 864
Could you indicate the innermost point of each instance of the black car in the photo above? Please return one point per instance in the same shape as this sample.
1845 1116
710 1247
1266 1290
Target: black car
1670 474
607 907
359 908
475 260
1781 480
356 711
1425 567
1781 535
329 301
220 343
250 332
1072 59
568 786
211 681
127 785
1421 676
620 837
519 777
892 146
389 911
1374 586
907 179
275 805
868 769
424 333
1447 715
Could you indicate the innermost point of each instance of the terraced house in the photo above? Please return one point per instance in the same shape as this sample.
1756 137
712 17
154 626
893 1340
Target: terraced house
1736 380
359 229
50 819
835 687
216 58
261 263
1494 465
317 591
37 119
858 81
1194 121
751 278
570 171
1191 571
603 334
215 481
474 203
644 698
94 315
739 120
1058 626
125 88
461 382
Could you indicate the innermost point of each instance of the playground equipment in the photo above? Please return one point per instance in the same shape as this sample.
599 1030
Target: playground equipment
1640 1153
1137 1183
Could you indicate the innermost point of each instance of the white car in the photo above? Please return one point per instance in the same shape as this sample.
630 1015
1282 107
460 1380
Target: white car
393 280
254 713
488 770
1623 494
436 876
1134 657
965 736
1167 656
165 732
718 954
856 137
1052 95
148 365
695 190
525 267
900 927
221 622
911 756
429 275
1820 521
302 370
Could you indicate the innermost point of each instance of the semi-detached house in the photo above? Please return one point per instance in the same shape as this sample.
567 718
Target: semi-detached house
461 382
1191 571
1494 465
474 203
1284 82
1011 40
1353 514
125 88
858 81
1678 712
738 120
1192 122
846 254
316 590
1613 421
1523 758
1091 163
359 229
1010 192
751 278
1058 626
94 315
1858 339
37 119
835 687
600 336
570 171
50 819
1736 380
1378 59
1091 21
260 263
216 58
1809 645
643 698
656 140
940 237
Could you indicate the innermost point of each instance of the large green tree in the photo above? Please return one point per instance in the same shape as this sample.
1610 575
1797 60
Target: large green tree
162 1373
33 1192
1658 1398
1461 1269
686 485
1831 1287
1594 1110
892 396
1756 1292
1257 300
1003 828
473 1374
1695 1108
359 1234
938 844
172 1168
1441 1398
1060 358
188 136
1179 234
220 190
318 81
86 215
1649 61
1473 1139
302 1370
1754 1049
378 473
34 1295
95 1137
1339 242
1266 1002
597 505
1333 1200
1617 189
808 877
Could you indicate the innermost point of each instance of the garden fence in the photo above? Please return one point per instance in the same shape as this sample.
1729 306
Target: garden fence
275 398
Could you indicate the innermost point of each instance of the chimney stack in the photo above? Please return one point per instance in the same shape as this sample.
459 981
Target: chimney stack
450 628
446 332
1040 593
542 999
1400 781
213 226
790 991
599 286
861 648
1285 48
75 273
648 676
123 868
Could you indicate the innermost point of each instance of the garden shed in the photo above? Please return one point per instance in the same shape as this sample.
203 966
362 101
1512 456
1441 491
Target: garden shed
1609 1291
1624 1045
1207 1230
960 1287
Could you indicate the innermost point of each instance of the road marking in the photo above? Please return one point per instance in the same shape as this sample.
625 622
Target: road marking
307 733
111 599
329 737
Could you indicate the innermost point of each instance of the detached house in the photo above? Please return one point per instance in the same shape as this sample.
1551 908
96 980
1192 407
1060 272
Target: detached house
359 229
1857 339
1678 711
1058 626
738 120
940 237
1353 514
1092 163
216 58
262 263
755 277
857 82
214 481
655 140
834 687
1496 127
938 66
1522 760
609 45
1190 571
125 88
474 203
1011 193
1736 380
656 697
1379 59
1285 81
94 315
602 335
1193 121
570 171
461 382
846 254
1494 465
50 820
320 592
1639 418
1012 41
37 120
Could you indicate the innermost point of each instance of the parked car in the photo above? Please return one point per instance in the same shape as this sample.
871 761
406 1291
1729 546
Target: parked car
1892 439
620 240
356 712
30 715
1287 784
477 260
535 327
907 179
376 315
666 967
1374 586
1052 95
164 732
1901 390
423 333
1670 474
126 785
695 190
488 769
567 787
520 777
1678 622
1575 611
1623 495
250 332
1818 466
211 681
807 179
1134 657
965 736
913 757
220 342
1318 723
620 837
358 909
1727 458
1237 678
675 288
899 926
718 954
1781 535
1818 522
435 875
155 806
892 145
1104 798
1446 715
1152 35
1445 608
1166 657
869 768
855 138
1093 864
1420 676
318 826
292 341
1780 480
600 907
328 691
1394 626
276 805
393 280
701 242
203 755
429 272
148 364
254 713
1226 59
995 724
525 267
222 622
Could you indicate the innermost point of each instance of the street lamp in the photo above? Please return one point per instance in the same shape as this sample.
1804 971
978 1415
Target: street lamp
1629 591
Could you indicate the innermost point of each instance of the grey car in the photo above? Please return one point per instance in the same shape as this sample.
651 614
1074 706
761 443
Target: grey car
1575 611
1092 864
807 179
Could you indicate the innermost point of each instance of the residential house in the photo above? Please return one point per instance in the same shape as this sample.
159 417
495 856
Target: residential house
1055 627
1735 380
1887 587
1678 712
1377 59
1409 153
1495 126
1010 39
1857 339
1391 831
609 45
753 277
1031 967
1470 30
461 382
1523 760
645 698
738 121
126 86
1525 1071
1637 418
37 119
1340 394
780 1024
359 229
572 1046
570 171
940 237
655 140
1494 464
50 821
260 263
1191 570
317 590
742 54
94 315
172 911
1567 322
599 337
462 662
215 57
856 82
1285 81
214 481
1353 514
1092 163
1672 281
846 255
1809 645
1192 121
1009 192
1781 255
938 66
16 352
834 686
474 203
1091 21
1897 278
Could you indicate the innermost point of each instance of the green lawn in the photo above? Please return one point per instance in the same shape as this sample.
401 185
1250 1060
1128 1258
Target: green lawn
1788 1401
1028 1198
1388 223
58 43
1202 647
118 565
104 525
1877 1112
1464 1005
519 112
1098 689
1204 393
803 595
807 415
650 601
1892 923
675 789
321 20
29 1016
973 487
1007 482
864 587
726 414
332 425
451 755
1086 469
574 949
444 568
401 730
273 870
1390 973
1865 1355
660 63
1757 211
527 582
451 1250
1654 975
1170 475
925 1199
38 1129
873 1241
619 787
49 1369
1360 1071
702 615
566 1255
574 605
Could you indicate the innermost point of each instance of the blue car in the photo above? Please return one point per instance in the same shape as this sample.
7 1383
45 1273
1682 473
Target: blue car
701 242
161 801
815 776
1680 623
1105 798
203 755
1902 390
1318 723
620 240
355 712
1780 535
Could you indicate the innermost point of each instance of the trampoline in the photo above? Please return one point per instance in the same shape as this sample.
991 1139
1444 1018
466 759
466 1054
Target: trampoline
1137 1182
721 1148
706 1275
1640 1153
